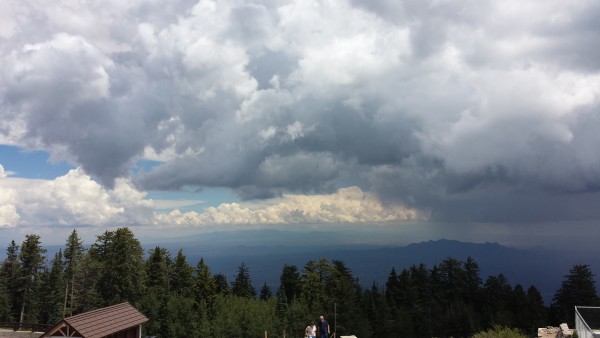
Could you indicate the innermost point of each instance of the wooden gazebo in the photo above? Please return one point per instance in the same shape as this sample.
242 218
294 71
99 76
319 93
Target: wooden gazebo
117 321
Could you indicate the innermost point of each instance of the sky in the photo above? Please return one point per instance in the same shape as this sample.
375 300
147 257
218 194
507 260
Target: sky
186 116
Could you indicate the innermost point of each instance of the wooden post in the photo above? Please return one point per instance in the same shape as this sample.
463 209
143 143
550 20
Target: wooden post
266 334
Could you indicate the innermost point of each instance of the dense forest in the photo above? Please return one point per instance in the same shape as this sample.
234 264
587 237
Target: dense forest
181 300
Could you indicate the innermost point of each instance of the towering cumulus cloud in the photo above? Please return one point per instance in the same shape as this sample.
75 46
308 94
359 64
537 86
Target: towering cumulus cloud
348 205
470 110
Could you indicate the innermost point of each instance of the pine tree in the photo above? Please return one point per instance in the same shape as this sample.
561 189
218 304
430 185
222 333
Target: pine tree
472 279
157 269
31 260
204 284
420 309
10 276
281 309
4 299
518 307
265 292
376 310
314 275
72 258
205 290
221 284
537 312
242 285
154 302
86 289
121 259
182 281
497 294
578 289
392 289
290 282
344 291
52 292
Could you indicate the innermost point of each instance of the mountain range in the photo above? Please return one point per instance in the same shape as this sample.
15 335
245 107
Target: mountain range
265 252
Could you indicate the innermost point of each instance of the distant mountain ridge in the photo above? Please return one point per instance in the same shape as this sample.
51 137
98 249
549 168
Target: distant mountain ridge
265 252
541 267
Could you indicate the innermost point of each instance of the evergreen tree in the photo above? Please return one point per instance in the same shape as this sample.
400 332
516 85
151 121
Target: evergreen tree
204 283
182 280
4 307
205 290
290 282
155 301
10 277
376 311
246 317
450 311
472 295
52 292
4 299
472 279
282 308
518 307
537 313
157 269
180 318
392 289
497 294
436 310
420 309
242 285
72 258
221 285
578 289
265 292
31 260
314 275
86 290
121 259
345 291
453 279
403 297
205 320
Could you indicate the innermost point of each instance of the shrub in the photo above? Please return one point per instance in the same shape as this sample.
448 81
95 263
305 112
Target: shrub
500 332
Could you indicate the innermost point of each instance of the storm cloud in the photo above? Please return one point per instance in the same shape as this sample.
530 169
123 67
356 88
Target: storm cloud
471 110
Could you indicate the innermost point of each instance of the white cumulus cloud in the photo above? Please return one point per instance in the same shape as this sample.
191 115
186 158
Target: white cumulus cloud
71 200
347 205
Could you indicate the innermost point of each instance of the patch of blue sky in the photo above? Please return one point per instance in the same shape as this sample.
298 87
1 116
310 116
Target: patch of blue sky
31 164
192 199
144 166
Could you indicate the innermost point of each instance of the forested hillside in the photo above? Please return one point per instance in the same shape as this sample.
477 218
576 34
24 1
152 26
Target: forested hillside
183 300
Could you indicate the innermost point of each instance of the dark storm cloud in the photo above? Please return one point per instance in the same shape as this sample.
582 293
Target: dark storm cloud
475 110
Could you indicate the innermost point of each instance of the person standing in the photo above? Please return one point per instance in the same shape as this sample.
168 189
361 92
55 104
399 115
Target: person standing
311 330
324 330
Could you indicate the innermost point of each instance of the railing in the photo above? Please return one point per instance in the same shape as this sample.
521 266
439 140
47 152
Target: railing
284 335
33 327
581 325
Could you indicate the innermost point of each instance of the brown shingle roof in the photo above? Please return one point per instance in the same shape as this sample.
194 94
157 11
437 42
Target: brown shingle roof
106 321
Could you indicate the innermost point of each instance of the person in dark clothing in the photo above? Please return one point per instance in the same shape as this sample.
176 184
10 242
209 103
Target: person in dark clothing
324 330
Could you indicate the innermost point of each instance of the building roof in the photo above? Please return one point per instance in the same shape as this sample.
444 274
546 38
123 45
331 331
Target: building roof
102 322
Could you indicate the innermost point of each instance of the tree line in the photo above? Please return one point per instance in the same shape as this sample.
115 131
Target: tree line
182 300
